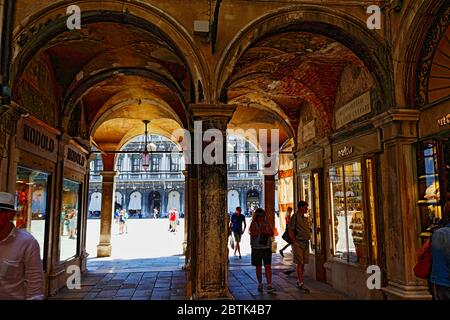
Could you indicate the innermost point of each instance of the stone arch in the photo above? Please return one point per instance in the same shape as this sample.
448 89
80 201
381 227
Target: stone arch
233 200
174 200
135 202
426 29
339 26
29 35
95 202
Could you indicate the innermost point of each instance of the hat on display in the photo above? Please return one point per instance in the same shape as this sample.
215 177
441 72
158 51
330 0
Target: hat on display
6 201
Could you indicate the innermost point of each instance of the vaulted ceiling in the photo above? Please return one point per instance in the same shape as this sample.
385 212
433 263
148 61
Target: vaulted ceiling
284 71
117 73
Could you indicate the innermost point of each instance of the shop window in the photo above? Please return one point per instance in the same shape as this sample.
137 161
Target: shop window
32 207
348 223
317 215
434 182
69 219
306 196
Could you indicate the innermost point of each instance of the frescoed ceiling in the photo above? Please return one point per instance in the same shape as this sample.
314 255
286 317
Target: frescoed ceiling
114 64
284 71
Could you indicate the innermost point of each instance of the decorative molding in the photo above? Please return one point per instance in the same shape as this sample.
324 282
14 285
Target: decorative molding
427 55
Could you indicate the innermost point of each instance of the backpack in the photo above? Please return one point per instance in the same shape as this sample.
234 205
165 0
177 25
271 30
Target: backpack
422 269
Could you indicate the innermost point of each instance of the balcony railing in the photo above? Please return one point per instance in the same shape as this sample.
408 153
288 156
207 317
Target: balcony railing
142 176
173 176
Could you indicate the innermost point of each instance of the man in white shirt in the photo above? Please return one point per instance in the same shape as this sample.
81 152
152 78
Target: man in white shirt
21 275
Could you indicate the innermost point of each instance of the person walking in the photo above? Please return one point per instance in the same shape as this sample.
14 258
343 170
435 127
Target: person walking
21 274
122 221
261 234
237 219
440 253
300 234
172 220
288 218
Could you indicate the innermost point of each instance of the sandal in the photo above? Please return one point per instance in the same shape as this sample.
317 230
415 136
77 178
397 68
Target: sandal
270 289
302 288
260 287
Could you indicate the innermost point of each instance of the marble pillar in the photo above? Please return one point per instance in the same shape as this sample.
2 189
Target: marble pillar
108 190
400 212
209 252
269 202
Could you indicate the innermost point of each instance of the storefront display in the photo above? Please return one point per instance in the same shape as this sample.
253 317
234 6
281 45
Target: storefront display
32 203
307 197
346 186
434 181
69 219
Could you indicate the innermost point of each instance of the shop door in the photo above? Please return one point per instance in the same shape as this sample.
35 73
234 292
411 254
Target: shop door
319 223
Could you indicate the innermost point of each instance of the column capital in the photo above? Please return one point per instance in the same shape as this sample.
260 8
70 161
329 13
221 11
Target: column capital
108 175
397 115
398 123
213 111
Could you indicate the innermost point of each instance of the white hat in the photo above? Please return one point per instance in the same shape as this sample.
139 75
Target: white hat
6 201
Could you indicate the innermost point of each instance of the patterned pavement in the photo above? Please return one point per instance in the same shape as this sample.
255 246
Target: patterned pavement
164 279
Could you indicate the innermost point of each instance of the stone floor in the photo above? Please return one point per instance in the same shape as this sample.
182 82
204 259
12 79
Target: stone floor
163 279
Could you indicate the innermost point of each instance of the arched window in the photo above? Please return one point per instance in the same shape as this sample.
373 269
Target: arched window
233 200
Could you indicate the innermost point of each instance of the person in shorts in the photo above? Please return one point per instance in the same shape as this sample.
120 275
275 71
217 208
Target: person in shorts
261 234
300 233
237 220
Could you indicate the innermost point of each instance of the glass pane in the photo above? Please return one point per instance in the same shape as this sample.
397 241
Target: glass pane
306 196
317 210
339 233
373 222
355 214
31 203
429 195
69 219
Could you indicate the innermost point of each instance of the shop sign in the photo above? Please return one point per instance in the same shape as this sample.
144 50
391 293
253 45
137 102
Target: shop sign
353 110
75 158
344 152
303 165
444 121
309 131
37 140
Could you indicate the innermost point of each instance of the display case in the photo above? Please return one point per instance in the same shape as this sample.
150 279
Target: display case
348 223
32 203
306 195
433 182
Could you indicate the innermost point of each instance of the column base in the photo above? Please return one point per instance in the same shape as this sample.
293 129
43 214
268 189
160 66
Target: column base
213 295
397 291
104 250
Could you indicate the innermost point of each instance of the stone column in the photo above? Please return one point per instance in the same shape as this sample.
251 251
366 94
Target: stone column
186 210
108 175
210 274
269 202
401 219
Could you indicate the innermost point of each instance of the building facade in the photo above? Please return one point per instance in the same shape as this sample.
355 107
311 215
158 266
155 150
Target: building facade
361 111
161 186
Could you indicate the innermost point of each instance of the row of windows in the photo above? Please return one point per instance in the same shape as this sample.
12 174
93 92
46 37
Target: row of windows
136 164
251 163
